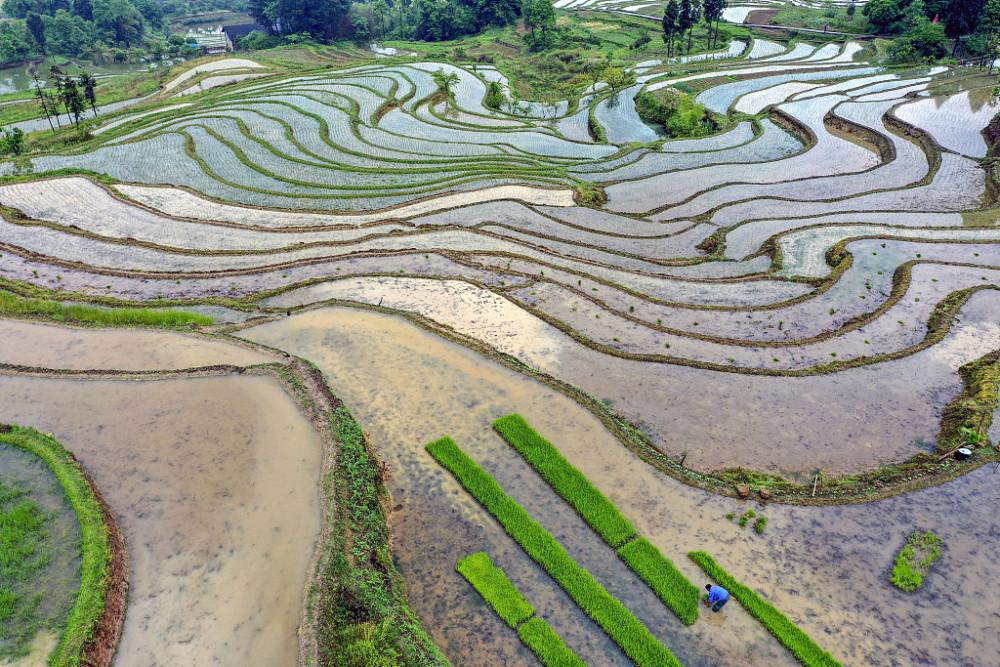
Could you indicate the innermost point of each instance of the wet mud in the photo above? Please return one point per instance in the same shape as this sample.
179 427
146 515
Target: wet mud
825 567
214 483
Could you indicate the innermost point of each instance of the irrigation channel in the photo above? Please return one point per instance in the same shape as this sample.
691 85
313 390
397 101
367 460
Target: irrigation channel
794 295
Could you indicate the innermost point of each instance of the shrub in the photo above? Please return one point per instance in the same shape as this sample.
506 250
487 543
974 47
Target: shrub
605 610
795 640
669 583
498 591
567 481
547 645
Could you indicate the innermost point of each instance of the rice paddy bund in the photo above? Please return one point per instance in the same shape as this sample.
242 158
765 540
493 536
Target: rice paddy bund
373 369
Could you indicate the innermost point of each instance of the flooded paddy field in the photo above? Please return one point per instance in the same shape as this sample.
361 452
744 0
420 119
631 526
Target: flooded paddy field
44 602
213 482
419 388
795 295
77 349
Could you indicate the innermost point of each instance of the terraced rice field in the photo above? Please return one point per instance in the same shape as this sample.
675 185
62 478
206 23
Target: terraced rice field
794 295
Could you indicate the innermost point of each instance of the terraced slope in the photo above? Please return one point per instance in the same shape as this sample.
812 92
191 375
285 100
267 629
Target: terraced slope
837 224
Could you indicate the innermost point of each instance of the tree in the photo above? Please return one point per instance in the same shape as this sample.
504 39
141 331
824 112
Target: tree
544 16
12 142
43 99
361 32
851 8
118 21
380 9
881 14
13 42
87 83
961 18
73 100
688 19
671 16
36 28
494 95
528 14
286 17
713 12
446 81
83 9
151 12
914 14
923 42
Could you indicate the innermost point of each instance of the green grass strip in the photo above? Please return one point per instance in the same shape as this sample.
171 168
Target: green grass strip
567 481
669 583
547 644
605 610
96 550
11 304
676 591
498 591
496 588
799 643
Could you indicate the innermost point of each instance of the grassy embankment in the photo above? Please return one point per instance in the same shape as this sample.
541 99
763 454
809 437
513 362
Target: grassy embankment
795 640
498 591
363 618
611 615
670 585
21 530
12 304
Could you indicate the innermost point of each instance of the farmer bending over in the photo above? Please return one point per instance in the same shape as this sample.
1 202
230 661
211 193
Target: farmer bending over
717 597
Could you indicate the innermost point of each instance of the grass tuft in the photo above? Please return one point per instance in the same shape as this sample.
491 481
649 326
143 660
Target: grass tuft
914 560
547 645
498 591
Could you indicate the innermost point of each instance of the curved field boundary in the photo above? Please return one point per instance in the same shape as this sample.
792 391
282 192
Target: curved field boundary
492 583
799 643
669 584
608 612
95 624
352 552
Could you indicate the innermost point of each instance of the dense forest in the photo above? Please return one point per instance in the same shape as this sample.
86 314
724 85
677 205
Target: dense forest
429 20
922 27
119 30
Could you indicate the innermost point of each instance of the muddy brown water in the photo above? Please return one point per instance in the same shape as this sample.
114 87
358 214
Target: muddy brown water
844 422
214 483
58 580
48 346
415 388
826 568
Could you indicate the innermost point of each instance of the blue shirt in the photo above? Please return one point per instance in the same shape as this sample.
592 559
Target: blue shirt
717 594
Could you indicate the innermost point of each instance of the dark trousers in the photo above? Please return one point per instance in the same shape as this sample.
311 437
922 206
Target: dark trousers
720 604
